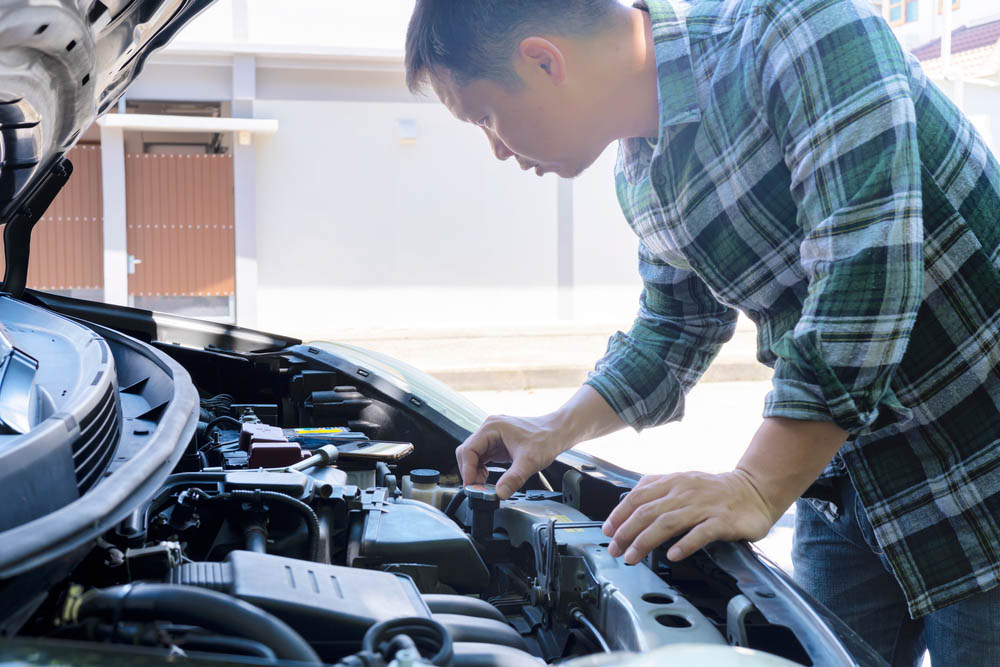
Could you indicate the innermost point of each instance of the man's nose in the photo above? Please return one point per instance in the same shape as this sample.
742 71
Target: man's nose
500 149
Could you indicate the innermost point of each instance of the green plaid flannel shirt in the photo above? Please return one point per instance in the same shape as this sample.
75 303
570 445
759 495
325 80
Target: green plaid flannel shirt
808 174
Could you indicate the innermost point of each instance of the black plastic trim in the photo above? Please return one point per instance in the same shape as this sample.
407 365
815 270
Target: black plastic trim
98 440
47 538
149 326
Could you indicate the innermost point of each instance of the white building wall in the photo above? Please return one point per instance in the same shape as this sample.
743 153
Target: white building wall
605 263
981 105
979 100
174 81
356 229
214 25
434 233
340 23
355 226
930 24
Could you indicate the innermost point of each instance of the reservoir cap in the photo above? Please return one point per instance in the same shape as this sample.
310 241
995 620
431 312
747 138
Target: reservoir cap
486 492
425 476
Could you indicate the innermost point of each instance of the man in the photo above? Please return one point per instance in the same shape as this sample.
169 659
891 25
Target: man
787 159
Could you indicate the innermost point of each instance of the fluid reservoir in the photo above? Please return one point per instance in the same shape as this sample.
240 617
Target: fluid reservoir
423 484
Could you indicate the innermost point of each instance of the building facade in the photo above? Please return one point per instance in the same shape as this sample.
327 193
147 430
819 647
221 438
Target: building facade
352 204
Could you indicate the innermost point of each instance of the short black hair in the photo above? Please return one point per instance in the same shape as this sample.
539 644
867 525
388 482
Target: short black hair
476 39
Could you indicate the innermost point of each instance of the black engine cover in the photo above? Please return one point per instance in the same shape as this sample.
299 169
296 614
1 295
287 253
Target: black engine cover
329 605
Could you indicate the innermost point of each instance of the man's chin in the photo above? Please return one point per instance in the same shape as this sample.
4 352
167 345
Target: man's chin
574 170
561 170
570 172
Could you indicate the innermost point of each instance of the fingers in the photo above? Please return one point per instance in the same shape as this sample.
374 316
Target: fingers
648 527
666 527
478 448
696 538
649 488
501 439
708 507
469 465
520 471
656 533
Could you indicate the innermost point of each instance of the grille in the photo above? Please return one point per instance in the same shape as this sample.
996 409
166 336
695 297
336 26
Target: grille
98 441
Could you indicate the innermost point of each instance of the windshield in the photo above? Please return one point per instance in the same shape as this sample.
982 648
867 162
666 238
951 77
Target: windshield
435 393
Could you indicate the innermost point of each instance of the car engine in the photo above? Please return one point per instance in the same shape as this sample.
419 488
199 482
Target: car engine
228 496
313 526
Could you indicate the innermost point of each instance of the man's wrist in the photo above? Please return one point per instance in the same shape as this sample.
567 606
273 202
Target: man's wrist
785 457
586 415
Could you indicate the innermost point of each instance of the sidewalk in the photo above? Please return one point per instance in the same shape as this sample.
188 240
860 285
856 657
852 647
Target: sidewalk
536 357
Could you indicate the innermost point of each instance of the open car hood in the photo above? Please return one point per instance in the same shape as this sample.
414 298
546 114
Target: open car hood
63 63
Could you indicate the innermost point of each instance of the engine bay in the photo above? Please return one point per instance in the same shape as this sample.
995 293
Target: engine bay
315 514
322 528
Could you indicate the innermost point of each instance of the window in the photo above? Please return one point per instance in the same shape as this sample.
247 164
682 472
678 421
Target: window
903 11
955 4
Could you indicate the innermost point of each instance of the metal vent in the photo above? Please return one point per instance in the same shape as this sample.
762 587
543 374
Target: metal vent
98 441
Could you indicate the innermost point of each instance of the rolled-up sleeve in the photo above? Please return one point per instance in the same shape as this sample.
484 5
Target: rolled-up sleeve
678 331
835 89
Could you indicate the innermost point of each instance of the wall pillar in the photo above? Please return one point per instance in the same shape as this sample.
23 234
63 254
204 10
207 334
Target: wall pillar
564 248
115 222
244 189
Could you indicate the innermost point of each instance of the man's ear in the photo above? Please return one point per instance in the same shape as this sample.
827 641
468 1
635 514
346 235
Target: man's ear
540 56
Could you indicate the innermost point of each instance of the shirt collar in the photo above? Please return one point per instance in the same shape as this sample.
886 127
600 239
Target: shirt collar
676 92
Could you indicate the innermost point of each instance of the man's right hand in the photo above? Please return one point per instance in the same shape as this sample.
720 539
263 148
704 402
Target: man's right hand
530 444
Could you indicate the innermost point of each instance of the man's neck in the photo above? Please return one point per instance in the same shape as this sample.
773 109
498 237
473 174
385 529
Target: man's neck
625 75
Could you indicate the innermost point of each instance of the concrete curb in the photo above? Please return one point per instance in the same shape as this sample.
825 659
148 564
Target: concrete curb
553 377
532 357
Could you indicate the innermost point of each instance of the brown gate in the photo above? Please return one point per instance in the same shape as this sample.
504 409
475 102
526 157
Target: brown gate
180 224
67 243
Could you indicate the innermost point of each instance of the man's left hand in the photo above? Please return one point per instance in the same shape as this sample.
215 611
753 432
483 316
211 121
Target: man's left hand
707 507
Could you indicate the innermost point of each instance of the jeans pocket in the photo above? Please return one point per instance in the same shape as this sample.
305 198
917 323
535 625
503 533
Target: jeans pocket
836 519
865 526
824 508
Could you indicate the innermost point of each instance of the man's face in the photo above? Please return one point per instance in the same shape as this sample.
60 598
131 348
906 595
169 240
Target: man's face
535 123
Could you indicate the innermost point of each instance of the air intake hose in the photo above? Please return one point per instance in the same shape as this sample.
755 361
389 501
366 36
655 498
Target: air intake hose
196 606
429 636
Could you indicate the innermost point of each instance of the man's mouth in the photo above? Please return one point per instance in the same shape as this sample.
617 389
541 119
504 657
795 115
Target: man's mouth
539 170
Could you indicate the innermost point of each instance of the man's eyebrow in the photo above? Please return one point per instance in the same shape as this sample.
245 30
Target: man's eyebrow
473 118
459 113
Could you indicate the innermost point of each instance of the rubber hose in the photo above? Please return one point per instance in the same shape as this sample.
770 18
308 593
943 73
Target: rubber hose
186 479
454 504
381 472
225 644
197 606
427 633
400 643
592 630
219 420
312 521
462 605
256 538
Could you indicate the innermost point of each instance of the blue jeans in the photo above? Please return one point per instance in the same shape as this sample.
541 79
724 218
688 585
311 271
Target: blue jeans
838 561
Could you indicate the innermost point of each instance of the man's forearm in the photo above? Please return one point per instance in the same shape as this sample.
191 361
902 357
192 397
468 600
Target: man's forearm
585 416
785 457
